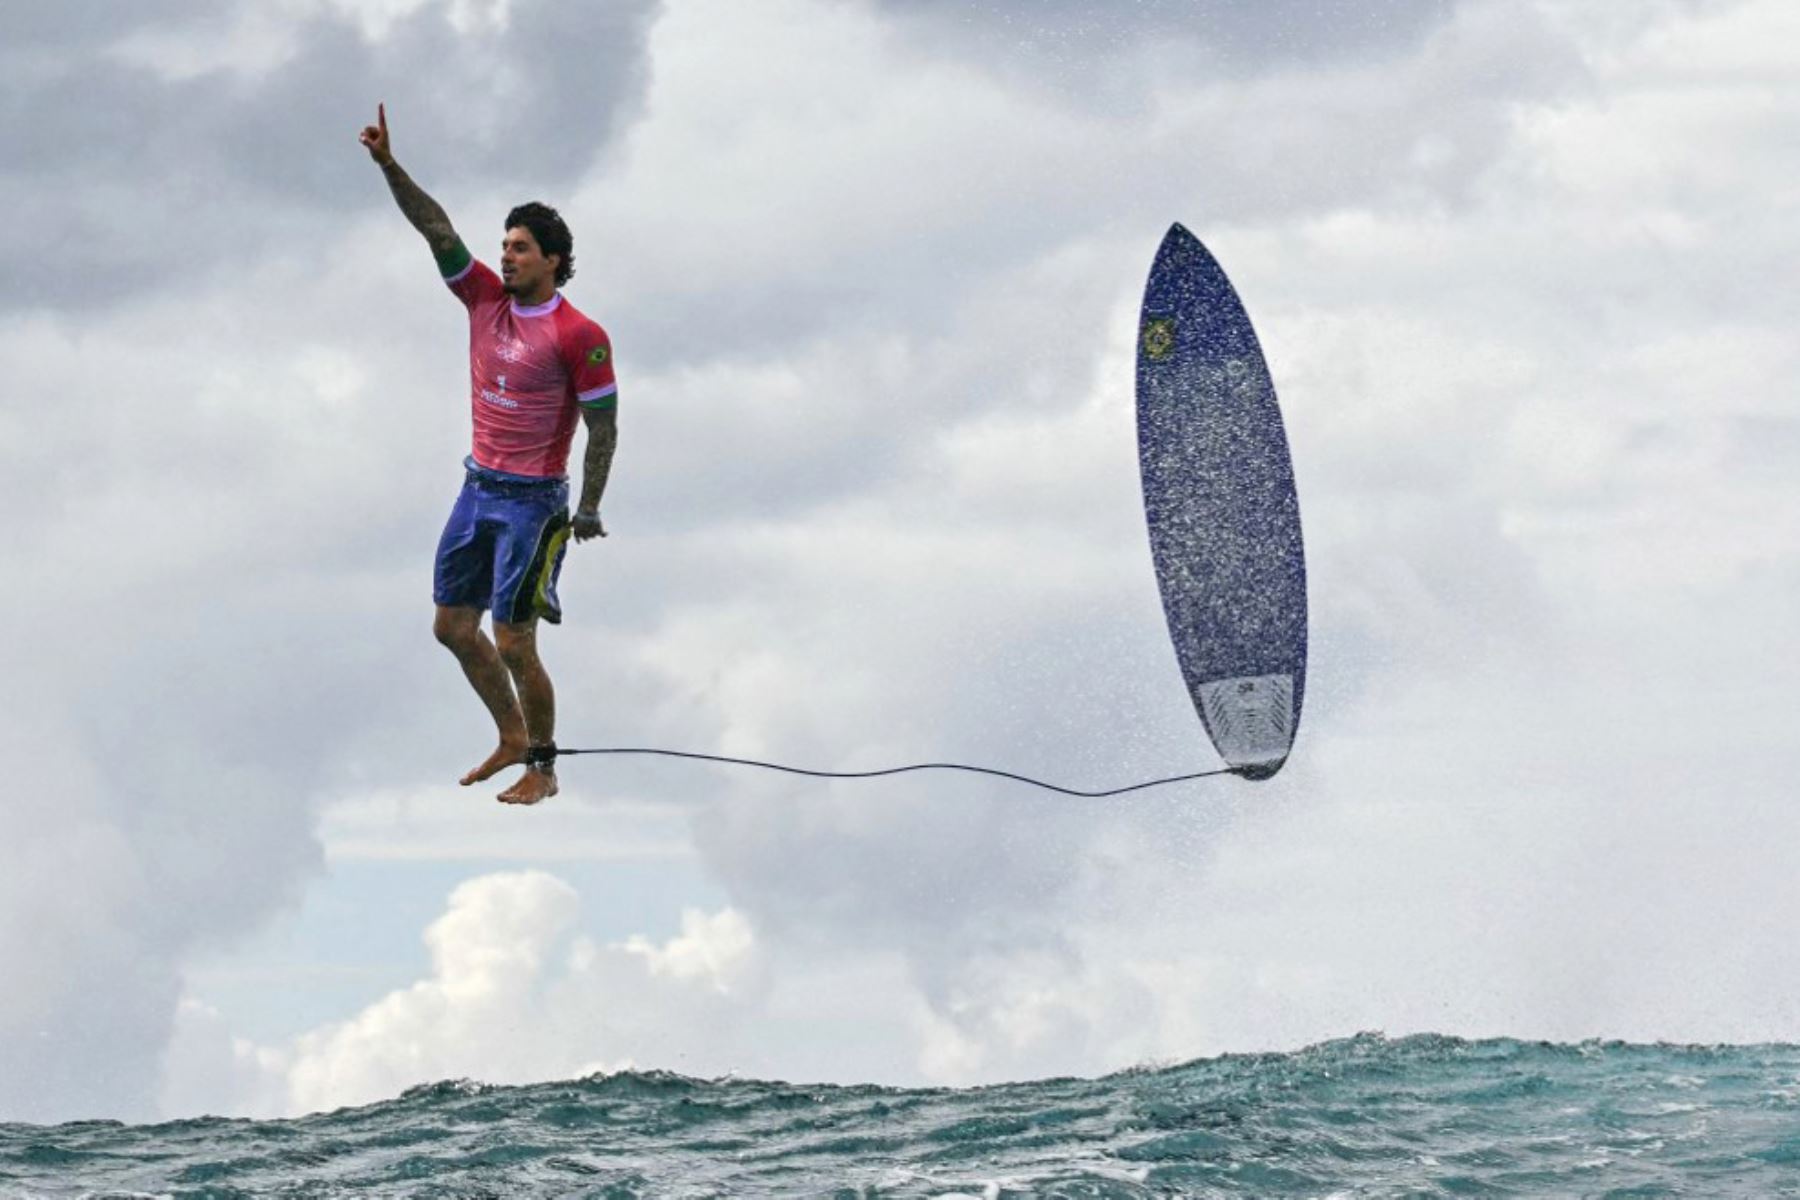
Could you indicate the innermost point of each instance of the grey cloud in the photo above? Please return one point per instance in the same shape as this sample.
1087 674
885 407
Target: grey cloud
73 30
998 197
1064 40
183 739
209 673
139 180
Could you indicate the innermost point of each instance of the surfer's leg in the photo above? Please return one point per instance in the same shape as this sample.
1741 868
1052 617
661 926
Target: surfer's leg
517 643
462 586
533 536
460 630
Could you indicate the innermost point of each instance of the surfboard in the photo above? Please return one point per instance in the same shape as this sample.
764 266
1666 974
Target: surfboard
1222 510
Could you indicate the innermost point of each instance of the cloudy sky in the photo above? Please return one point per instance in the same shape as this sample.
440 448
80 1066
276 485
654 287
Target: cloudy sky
1524 273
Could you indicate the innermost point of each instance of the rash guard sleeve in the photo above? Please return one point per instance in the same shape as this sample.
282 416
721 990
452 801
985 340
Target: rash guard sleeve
470 280
588 353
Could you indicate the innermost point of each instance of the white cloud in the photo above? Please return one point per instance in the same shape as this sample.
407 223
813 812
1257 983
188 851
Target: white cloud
711 949
515 994
473 1018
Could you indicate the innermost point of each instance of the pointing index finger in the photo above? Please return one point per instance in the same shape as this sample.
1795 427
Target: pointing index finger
381 116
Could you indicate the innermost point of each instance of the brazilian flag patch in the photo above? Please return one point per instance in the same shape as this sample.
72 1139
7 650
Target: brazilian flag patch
1159 338
597 355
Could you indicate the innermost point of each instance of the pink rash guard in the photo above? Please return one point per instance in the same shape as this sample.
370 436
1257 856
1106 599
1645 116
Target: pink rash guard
530 369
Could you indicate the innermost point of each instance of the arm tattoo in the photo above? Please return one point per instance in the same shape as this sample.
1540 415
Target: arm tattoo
427 215
602 440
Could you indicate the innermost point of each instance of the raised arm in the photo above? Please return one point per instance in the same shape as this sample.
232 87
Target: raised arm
427 215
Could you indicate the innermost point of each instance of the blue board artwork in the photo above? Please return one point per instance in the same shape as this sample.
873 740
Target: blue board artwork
1223 514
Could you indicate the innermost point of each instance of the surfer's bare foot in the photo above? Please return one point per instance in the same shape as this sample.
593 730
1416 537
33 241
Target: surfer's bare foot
509 754
532 787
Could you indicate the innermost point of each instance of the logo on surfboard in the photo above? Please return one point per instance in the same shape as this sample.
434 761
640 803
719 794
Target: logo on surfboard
1159 338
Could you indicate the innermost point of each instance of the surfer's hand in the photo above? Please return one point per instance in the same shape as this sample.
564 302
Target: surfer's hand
587 525
375 137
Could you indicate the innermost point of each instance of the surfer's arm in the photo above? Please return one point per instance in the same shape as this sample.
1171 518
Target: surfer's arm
602 440
427 215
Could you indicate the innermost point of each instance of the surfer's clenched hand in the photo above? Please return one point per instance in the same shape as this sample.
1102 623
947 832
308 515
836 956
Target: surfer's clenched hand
587 525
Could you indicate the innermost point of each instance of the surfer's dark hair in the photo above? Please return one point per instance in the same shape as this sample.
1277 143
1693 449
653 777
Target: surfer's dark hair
553 237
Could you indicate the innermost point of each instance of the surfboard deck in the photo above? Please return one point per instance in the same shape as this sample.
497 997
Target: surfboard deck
1221 506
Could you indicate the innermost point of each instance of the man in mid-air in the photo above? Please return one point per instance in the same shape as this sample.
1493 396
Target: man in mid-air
535 364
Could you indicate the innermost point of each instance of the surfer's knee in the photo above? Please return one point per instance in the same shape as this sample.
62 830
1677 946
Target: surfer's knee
457 628
517 643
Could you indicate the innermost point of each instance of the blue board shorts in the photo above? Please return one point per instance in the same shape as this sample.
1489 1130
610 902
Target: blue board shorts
503 547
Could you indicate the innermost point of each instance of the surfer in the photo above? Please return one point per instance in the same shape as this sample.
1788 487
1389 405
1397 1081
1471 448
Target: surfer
536 365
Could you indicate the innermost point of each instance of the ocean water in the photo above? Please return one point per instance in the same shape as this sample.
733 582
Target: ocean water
1364 1116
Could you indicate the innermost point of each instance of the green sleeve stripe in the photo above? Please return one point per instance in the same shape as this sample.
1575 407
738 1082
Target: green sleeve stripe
603 403
452 261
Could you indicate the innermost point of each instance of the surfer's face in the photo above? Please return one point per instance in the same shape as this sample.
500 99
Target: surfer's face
524 269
